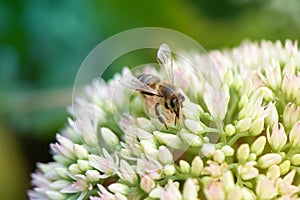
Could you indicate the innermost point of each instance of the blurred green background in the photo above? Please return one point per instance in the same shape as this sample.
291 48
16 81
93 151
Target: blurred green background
42 44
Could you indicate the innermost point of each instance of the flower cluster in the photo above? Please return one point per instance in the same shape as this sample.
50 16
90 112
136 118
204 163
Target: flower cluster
239 139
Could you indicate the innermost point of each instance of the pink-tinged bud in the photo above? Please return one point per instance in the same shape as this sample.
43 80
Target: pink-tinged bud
258 145
273 74
290 86
127 173
243 152
147 183
268 160
290 115
278 137
216 101
214 191
295 135
286 186
171 191
266 188
164 155
190 189
248 171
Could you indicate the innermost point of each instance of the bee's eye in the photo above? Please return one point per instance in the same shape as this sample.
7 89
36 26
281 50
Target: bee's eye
173 102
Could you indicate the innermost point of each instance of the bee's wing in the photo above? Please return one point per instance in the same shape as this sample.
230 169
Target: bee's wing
132 82
164 58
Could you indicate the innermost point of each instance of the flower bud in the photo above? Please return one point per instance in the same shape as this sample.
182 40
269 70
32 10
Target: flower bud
219 156
93 175
196 127
127 172
170 140
147 183
55 195
148 147
74 169
109 137
190 189
290 115
278 138
191 139
273 172
243 101
80 151
266 188
184 166
228 181
156 192
169 170
229 130
59 184
248 171
227 150
164 155
197 166
190 114
243 124
295 135
84 165
268 160
118 188
235 193
214 190
290 86
285 167
208 150
252 157
144 123
257 126
296 159
243 153
258 145
272 117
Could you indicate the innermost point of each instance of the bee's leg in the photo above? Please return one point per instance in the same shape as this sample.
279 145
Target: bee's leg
159 116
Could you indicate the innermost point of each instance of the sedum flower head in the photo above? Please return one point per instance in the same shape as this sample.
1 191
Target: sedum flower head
239 139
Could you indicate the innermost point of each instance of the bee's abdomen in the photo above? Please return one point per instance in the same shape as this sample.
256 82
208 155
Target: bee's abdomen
148 79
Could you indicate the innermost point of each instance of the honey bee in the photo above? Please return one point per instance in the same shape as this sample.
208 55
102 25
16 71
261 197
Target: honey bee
165 92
